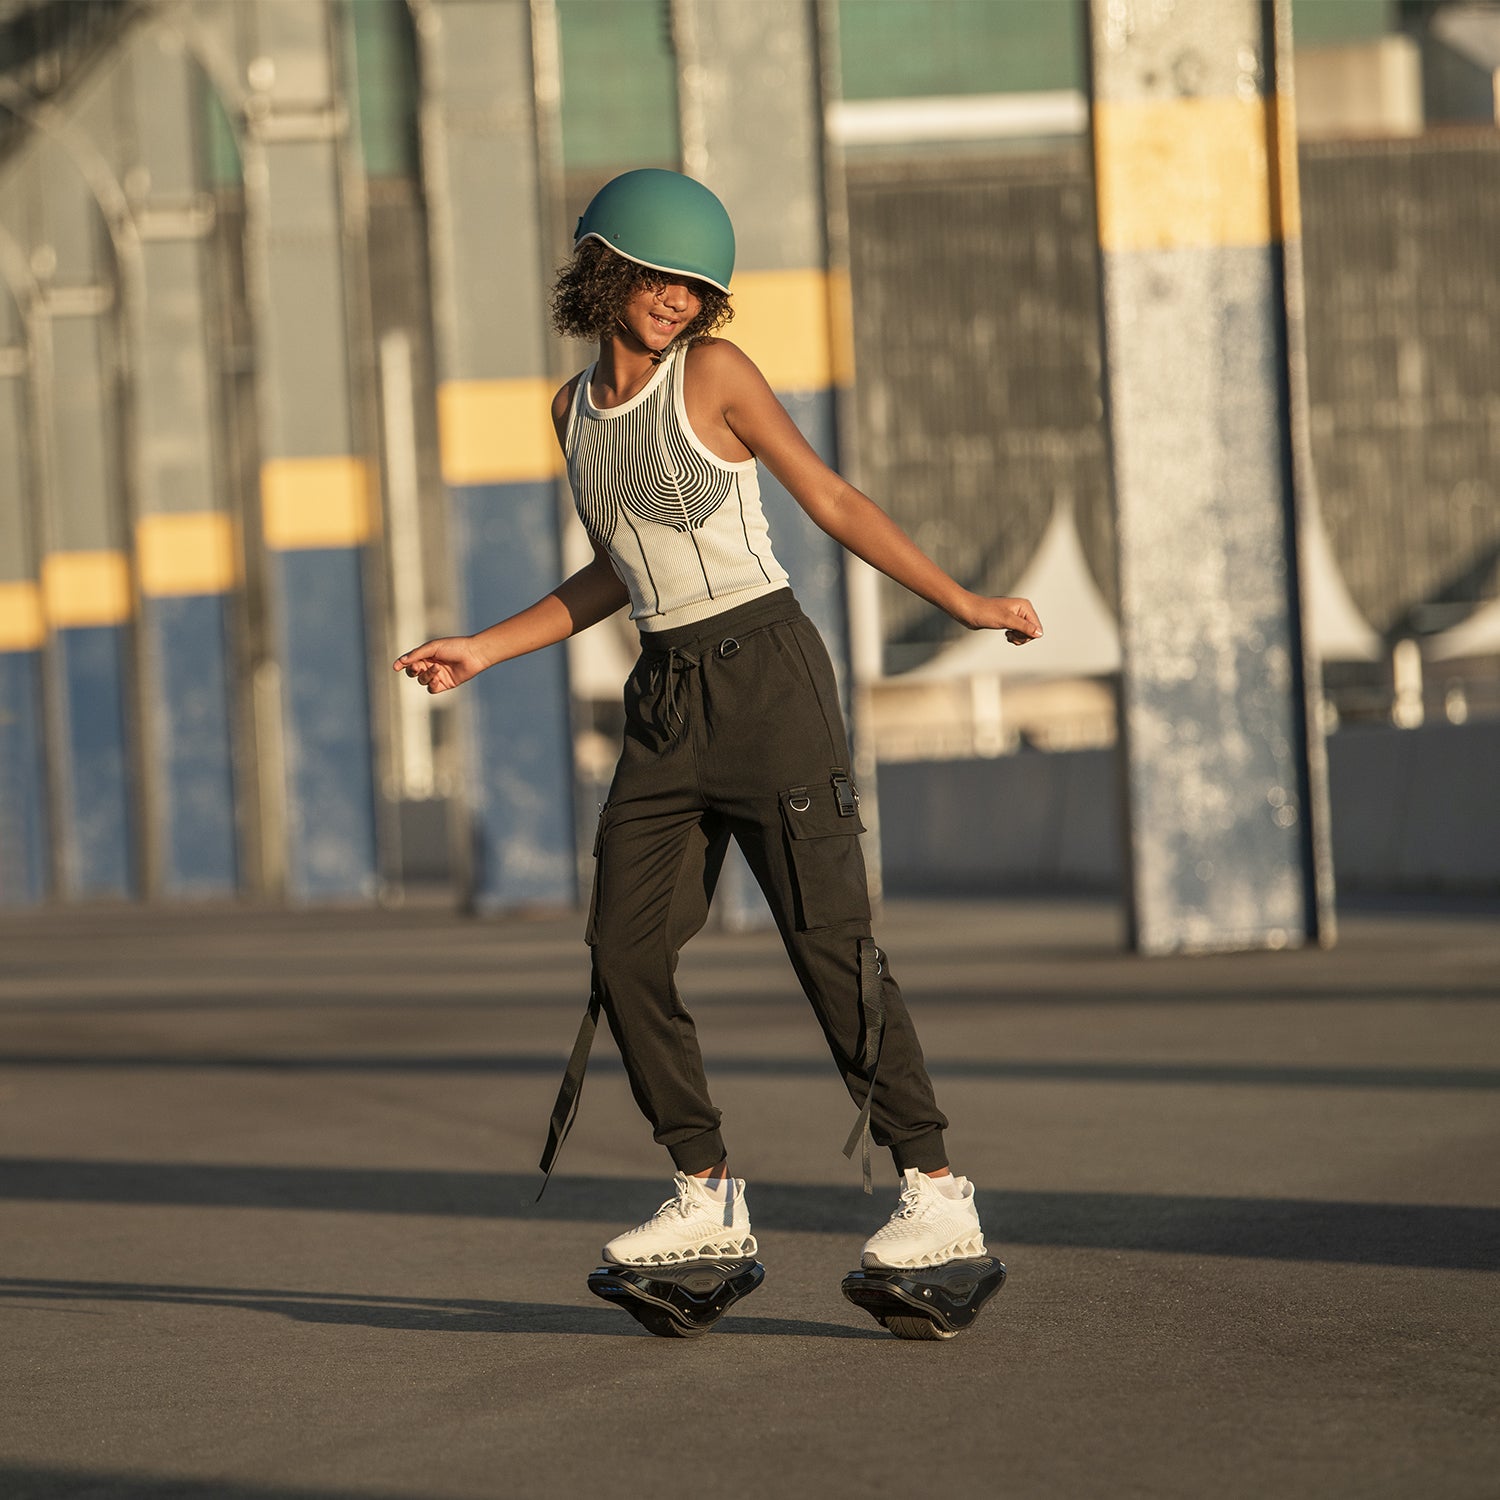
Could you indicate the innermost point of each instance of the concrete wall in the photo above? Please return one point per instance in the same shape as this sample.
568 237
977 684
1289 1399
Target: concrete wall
1414 809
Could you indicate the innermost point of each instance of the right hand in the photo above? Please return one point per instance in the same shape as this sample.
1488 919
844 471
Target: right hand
442 664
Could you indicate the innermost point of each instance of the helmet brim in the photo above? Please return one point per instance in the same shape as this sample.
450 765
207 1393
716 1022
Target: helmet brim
684 271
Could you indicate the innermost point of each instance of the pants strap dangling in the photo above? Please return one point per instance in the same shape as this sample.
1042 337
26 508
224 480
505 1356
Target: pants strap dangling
872 1006
565 1111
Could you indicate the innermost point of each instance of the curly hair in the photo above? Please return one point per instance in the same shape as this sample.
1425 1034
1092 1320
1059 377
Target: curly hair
591 291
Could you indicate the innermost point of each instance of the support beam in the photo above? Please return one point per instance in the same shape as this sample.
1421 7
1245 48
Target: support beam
25 853
487 110
318 507
738 64
1195 161
51 209
733 61
186 548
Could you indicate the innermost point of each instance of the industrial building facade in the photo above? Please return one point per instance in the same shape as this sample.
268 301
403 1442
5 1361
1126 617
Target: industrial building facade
274 369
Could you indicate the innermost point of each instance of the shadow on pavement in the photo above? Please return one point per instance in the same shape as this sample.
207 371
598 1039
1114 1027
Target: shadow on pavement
1392 1234
402 1314
1131 988
30 1482
521 1064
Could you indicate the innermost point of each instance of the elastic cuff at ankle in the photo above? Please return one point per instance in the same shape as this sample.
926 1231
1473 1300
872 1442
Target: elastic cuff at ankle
698 1154
926 1153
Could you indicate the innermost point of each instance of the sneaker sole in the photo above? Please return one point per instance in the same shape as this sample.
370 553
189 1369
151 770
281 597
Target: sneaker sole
965 1249
742 1249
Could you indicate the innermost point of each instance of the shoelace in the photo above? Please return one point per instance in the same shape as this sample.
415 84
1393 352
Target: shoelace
911 1203
679 1206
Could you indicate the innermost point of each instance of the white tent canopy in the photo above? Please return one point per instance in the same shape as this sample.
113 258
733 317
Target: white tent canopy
1337 629
1080 637
1082 640
1479 635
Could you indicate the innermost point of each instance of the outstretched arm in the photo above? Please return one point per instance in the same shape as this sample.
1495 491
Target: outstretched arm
752 412
592 594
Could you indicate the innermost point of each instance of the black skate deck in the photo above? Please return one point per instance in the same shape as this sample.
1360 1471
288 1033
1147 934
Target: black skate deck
677 1302
935 1302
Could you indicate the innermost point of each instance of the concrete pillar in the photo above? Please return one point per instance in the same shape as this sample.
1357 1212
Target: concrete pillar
751 102
52 212
1195 160
419 780
317 511
186 547
486 107
750 93
25 855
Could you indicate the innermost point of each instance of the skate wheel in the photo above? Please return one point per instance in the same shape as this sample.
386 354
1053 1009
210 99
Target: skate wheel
918 1328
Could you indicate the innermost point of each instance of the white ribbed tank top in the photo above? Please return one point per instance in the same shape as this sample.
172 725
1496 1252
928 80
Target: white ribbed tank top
683 527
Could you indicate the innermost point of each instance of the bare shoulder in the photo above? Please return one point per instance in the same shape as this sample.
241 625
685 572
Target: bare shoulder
564 398
562 404
712 354
725 365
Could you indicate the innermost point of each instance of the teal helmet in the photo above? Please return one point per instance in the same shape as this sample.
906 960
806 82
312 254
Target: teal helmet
665 221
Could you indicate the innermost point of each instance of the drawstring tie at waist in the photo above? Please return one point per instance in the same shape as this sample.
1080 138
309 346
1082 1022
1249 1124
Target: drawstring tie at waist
667 671
668 668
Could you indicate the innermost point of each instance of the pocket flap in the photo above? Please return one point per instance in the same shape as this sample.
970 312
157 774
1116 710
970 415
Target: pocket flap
812 812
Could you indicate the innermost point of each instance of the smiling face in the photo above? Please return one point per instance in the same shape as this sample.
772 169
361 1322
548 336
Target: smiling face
656 312
598 291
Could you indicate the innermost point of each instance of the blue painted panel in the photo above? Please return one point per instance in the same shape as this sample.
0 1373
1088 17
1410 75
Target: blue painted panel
331 842
521 765
24 864
194 780
99 853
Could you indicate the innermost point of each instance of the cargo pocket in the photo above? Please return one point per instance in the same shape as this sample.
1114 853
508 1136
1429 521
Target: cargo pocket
827 864
590 931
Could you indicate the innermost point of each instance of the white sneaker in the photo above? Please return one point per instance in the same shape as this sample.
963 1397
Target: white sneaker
695 1225
928 1229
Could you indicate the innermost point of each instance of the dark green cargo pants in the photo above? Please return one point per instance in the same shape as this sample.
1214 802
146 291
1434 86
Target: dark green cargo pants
733 730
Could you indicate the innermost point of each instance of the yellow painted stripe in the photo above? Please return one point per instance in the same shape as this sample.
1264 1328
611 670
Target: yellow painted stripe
86 588
497 431
22 625
179 555
1191 173
796 326
315 502
841 328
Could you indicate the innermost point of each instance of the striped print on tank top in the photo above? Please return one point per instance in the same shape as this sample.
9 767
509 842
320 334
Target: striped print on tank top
683 527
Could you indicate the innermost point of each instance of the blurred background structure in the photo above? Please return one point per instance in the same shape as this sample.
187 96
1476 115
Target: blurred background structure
274 369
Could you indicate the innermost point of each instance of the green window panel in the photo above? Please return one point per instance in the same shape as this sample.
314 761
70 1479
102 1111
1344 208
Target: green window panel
905 49
221 152
619 84
386 87
1332 23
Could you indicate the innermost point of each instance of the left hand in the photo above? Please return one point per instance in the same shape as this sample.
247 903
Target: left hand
1015 617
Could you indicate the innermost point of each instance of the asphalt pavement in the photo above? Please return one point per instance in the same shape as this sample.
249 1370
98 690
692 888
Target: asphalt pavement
268 1223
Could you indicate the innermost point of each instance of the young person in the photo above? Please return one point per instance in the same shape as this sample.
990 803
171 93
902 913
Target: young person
733 726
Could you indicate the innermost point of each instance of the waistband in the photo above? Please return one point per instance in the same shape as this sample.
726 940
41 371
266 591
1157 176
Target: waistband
769 609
